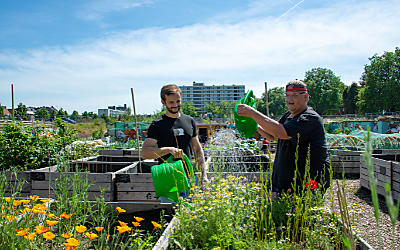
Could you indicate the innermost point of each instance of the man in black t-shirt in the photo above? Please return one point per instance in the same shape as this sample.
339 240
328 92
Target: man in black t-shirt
299 130
173 133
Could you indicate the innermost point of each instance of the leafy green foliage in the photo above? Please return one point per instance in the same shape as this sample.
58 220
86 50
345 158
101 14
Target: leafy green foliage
350 98
42 113
189 109
276 102
325 89
1 111
381 82
26 147
21 111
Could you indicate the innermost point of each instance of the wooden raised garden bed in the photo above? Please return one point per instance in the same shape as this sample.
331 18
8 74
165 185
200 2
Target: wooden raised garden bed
349 161
386 170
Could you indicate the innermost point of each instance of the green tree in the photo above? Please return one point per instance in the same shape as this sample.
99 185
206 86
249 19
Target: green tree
350 98
159 113
85 114
42 113
94 116
74 115
213 107
1 111
61 112
325 89
276 102
380 83
21 111
227 107
189 109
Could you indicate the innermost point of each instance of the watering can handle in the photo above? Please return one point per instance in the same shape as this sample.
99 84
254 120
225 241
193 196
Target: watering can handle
249 98
188 164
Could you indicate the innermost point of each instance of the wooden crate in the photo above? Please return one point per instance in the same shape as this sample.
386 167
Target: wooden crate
43 184
131 185
347 161
386 170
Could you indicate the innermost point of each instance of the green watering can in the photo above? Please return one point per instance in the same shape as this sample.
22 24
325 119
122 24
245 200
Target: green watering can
169 178
246 126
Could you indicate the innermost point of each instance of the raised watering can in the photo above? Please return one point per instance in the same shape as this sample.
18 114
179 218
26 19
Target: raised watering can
169 178
246 126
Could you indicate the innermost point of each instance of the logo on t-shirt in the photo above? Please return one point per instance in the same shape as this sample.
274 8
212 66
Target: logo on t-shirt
179 131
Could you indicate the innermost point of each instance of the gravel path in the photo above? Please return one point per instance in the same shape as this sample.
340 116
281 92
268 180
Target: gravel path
365 221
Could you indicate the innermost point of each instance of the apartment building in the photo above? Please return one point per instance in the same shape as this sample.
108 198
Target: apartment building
200 94
113 111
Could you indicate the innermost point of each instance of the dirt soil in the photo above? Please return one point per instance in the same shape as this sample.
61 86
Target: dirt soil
365 221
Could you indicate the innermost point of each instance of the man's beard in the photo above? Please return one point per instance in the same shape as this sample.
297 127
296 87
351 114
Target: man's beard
172 111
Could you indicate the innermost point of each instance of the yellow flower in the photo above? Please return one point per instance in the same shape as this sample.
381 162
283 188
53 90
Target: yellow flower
52 216
41 229
8 199
98 229
122 223
80 229
45 201
91 235
123 229
48 235
22 232
66 235
34 197
136 224
66 216
10 217
72 242
25 201
138 219
51 222
155 224
30 236
16 202
120 210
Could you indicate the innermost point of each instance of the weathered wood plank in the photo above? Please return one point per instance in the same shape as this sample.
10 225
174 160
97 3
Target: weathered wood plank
134 187
345 158
91 195
377 168
346 170
396 177
345 152
380 190
134 177
396 166
10 175
19 195
92 177
12 186
380 177
137 196
95 187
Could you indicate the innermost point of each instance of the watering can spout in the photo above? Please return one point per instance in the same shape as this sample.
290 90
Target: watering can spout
246 126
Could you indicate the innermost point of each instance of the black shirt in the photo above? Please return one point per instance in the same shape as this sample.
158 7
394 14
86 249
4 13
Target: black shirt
307 131
173 132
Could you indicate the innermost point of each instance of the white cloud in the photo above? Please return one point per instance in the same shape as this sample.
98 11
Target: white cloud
101 73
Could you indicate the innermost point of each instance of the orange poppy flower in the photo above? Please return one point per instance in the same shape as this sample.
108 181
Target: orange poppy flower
138 219
136 224
123 229
66 235
48 235
155 224
34 197
30 236
80 229
98 229
120 210
22 232
41 229
51 222
91 235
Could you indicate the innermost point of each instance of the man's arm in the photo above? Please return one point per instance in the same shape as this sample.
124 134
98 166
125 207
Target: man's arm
266 135
199 155
270 126
150 151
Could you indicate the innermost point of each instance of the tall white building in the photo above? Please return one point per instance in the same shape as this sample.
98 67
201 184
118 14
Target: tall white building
200 94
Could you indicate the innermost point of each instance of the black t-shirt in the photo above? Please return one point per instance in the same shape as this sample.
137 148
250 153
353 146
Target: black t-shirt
307 131
168 131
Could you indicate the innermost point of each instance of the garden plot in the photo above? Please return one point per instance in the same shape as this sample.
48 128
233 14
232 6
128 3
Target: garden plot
101 176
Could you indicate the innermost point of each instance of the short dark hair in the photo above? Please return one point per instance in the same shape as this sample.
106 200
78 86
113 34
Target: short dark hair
170 89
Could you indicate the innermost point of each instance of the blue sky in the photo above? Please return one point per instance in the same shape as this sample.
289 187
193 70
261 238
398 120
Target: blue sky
84 55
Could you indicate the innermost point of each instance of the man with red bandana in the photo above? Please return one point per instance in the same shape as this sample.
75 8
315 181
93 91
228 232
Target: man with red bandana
299 130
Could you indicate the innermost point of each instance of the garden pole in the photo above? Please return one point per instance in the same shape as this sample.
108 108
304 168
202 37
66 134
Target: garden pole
137 132
266 98
12 97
